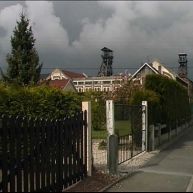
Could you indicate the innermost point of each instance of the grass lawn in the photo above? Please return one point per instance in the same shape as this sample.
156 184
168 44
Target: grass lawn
121 127
100 134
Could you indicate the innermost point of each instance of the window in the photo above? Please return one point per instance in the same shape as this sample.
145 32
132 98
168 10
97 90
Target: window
97 82
116 82
106 82
56 78
88 83
80 83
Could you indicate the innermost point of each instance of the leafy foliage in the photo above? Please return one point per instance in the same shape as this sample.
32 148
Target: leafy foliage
124 94
98 108
153 103
38 101
173 99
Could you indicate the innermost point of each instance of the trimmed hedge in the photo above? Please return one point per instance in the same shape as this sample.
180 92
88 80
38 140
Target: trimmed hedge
38 101
98 109
168 100
153 103
174 102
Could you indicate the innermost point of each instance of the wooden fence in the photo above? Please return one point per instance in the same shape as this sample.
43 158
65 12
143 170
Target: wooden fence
42 155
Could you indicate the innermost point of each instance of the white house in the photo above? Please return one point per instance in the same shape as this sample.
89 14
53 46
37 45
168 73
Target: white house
155 68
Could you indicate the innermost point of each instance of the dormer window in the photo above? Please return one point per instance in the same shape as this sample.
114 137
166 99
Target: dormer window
56 78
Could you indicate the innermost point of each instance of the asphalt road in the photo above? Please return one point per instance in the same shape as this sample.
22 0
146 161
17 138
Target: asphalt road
169 171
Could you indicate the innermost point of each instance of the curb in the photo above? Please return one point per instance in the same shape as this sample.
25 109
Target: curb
113 183
161 148
117 181
72 186
123 177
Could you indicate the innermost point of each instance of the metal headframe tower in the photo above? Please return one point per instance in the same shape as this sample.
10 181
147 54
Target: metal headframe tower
182 69
106 66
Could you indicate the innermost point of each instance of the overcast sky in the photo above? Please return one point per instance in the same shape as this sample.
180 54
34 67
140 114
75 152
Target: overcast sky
70 34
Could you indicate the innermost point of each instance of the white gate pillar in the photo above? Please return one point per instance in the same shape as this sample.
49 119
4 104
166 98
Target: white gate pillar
110 117
112 139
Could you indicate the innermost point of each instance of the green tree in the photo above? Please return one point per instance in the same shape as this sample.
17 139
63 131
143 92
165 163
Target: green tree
123 94
23 62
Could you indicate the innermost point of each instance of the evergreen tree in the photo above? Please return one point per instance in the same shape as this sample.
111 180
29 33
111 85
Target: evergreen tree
23 62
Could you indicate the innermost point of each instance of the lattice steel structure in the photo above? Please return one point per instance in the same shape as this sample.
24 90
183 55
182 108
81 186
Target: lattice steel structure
106 66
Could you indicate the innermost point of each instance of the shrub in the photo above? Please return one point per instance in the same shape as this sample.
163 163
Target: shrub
153 100
39 101
98 109
174 103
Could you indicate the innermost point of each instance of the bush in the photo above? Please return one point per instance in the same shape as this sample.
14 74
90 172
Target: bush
153 100
173 99
38 101
98 109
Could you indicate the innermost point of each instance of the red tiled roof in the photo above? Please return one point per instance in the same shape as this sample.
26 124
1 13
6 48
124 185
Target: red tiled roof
58 83
73 75
44 76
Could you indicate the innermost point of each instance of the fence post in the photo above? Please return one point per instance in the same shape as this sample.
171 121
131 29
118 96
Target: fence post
176 127
169 133
112 140
152 137
112 154
159 133
110 117
144 126
86 106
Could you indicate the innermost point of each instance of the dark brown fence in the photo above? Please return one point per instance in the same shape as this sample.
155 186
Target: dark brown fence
42 155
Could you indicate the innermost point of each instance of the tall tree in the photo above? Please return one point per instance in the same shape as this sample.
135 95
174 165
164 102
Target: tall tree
23 62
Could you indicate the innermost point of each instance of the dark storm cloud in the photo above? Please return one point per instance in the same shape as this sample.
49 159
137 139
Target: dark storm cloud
70 34
2 32
72 13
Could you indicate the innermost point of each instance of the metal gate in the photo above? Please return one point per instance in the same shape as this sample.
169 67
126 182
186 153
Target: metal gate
99 139
128 127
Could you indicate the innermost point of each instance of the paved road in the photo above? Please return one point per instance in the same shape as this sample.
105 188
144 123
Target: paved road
169 171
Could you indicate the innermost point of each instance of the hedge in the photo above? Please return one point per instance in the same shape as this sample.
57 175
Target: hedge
153 103
168 100
98 110
38 101
174 102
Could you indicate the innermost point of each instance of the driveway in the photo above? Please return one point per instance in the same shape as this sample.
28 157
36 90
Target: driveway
169 171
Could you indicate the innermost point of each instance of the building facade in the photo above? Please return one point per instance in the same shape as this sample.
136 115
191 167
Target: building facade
64 84
83 83
155 68
103 84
